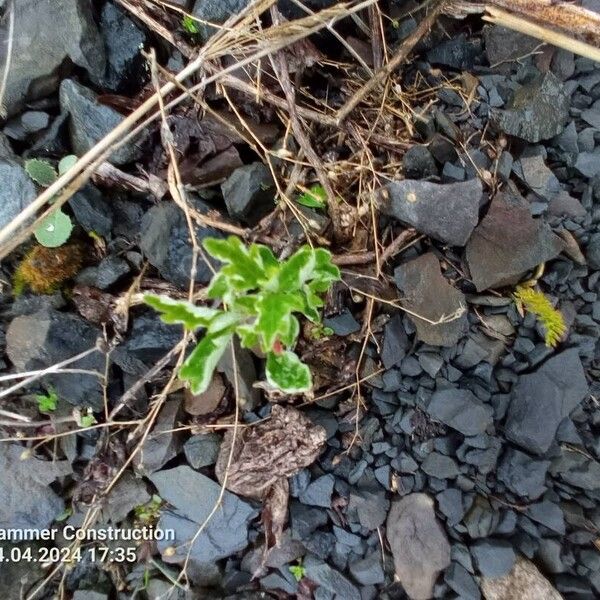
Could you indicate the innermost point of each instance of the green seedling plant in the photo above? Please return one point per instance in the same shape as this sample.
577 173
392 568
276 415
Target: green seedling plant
260 298
315 197
298 571
56 228
48 402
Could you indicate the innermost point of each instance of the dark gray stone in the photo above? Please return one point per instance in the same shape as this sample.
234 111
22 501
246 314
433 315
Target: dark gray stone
249 193
395 342
460 581
342 324
47 337
128 493
46 36
318 492
92 212
534 173
16 192
588 164
202 450
26 499
107 272
459 52
450 504
461 410
504 45
217 12
430 363
428 294
91 121
592 252
305 519
547 514
419 163
523 475
193 497
330 579
481 519
539 110
418 543
439 466
368 571
446 212
123 41
164 240
369 507
493 557
542 399
508 242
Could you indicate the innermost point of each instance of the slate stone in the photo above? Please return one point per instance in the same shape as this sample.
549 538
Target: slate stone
369 507
342 324
430 363
92 212
318 492
503 44
17 191
508 242
481 519
592 116
446 212
539 110
90 121
542 399
123 41
47 337
419 163
450 504
548 514
395 342
427 293
105 274
534 173
26 499
330 579
305 519
202 450
493 557
461 582
439 466
249 193
522 474
588 164
164 240
193 497
368 571
578 471
592 251
479 348
128 493
46 36
459 52
215 11
461 410
418 543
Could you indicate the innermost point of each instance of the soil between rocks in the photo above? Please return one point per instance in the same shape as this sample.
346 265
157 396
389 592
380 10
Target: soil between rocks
466 461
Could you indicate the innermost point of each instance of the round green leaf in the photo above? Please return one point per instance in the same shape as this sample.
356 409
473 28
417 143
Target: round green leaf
42 172
66 163
54 230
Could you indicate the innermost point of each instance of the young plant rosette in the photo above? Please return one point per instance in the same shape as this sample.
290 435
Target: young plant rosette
260 297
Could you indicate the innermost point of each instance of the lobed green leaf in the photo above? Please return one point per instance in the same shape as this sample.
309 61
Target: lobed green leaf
181 311
288 373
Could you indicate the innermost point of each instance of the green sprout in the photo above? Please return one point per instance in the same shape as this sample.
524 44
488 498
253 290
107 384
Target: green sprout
315 197
260 297
298 571
47 402
190 25
149 512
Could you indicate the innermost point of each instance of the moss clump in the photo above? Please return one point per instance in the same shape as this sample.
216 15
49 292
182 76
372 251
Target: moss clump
44 270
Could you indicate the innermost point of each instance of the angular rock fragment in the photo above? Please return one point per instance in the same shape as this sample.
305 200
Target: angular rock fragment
428 294
508 242
522 474
534 173
524 582
17 190
461 410
539 110
542 399
446 212
419 544
493 557
193 497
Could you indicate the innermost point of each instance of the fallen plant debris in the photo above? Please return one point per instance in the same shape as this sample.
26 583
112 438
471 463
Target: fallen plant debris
314 290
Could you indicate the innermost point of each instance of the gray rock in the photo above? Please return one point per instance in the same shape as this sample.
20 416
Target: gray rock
524 582
534 173
164 240
547 514
193 497
542 399
46 35
202 450
395 342
91 211
342 324
26 499
249 193
368 571
128 493
588 164
369 507
418 543
459 52
539 110
439 466
493 557
217 12
123 40
90 121
508 242
523 475
461 410
479 348
428 294
446 212
502 44
459 580
592 116
580 472
419 163
481 519
330 579
17 190
47 337
592 252
318 492
103 275
450 503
